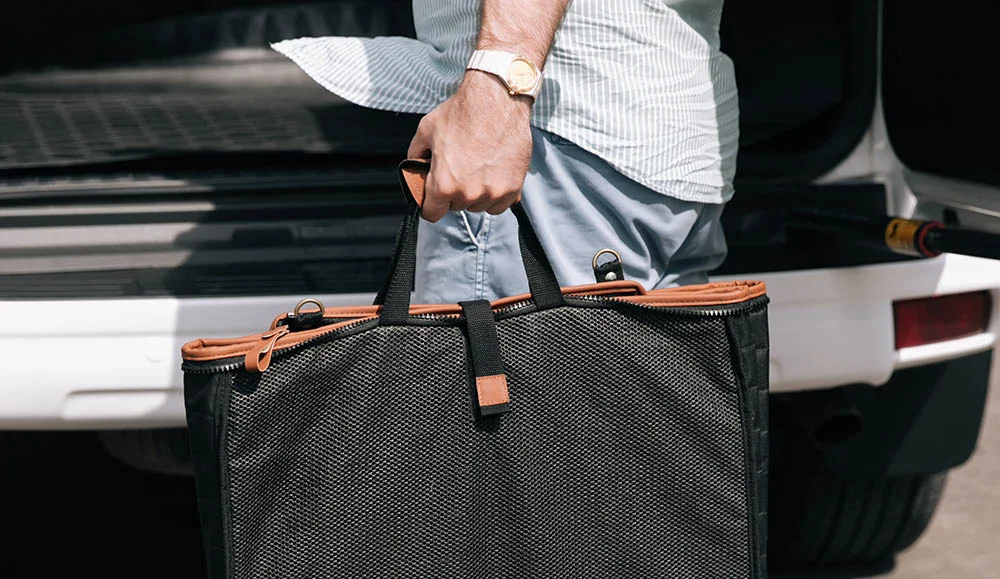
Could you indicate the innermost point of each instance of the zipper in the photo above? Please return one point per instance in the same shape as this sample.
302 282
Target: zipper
744 307
212 367
515 306
318 337
265 349
268 351
437 316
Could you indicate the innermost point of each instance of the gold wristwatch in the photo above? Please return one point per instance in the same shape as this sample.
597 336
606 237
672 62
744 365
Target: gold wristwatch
518 73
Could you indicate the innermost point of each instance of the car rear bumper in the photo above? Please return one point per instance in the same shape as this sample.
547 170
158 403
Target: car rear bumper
834 327
96 364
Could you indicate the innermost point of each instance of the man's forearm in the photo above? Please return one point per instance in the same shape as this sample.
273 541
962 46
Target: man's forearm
527 27
480 138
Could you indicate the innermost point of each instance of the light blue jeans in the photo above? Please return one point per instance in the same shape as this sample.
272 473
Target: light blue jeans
578 205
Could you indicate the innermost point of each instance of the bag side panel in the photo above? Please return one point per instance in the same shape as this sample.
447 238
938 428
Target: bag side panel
751 354
206 401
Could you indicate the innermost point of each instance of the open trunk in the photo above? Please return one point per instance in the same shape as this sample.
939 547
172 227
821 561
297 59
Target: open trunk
162 148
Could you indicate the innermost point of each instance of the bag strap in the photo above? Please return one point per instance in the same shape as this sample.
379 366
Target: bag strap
394 297
487 363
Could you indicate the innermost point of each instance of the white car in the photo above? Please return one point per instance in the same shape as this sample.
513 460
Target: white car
174 179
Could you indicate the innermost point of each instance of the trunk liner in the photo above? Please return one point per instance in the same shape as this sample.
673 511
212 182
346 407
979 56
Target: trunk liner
114 121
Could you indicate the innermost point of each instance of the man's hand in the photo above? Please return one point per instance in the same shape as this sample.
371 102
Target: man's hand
479 140
480 144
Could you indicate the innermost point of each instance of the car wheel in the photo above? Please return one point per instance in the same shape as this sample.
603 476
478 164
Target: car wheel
819 521
162 451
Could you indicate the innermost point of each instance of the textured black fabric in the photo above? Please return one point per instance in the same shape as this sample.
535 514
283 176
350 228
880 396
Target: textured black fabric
630 450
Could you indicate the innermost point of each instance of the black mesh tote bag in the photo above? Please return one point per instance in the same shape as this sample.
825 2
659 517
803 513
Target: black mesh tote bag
597 431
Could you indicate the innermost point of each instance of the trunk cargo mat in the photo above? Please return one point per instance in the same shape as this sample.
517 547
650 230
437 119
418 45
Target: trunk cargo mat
52 129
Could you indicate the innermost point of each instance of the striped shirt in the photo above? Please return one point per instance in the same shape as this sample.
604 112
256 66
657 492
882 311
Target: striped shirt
642 84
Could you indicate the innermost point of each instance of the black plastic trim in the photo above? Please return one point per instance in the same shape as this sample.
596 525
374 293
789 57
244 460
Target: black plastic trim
194 175
925 420
754 223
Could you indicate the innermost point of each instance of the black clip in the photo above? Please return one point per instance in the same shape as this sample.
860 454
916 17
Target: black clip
609 270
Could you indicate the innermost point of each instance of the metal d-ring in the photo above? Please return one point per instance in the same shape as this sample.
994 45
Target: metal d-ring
298 308
602 252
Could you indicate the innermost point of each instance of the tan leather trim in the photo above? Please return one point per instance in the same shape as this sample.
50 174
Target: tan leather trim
621 287
492 390
205 350
414 173
713 294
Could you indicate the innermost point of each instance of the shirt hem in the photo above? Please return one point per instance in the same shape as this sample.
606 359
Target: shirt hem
681 190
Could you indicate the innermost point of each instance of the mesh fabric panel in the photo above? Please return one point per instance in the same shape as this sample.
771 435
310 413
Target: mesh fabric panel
622 456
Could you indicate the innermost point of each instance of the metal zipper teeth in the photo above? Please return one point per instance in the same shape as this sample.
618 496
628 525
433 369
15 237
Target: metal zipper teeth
210 367
437 316
748 306
709 311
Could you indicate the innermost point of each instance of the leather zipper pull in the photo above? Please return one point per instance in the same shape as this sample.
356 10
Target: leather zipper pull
492 396
259 357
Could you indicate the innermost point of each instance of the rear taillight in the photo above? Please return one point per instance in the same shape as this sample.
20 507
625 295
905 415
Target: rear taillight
936 319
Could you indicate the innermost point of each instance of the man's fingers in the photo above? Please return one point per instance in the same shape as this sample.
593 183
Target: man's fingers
493 197
435 206
485 201
504 204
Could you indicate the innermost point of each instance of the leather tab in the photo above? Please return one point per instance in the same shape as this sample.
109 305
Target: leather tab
258 359
492 394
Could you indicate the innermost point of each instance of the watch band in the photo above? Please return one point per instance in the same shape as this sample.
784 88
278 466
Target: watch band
503 64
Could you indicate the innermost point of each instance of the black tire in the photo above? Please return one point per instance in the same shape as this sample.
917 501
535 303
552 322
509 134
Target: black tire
819 521
163 451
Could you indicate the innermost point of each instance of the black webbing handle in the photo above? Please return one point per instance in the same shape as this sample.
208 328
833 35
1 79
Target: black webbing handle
492 396
394 297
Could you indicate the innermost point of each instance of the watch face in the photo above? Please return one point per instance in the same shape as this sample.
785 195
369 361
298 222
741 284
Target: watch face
521 75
